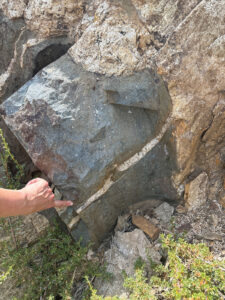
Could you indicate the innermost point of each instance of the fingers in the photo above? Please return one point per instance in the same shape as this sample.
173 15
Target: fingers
47 192
58 203
52 197
32 181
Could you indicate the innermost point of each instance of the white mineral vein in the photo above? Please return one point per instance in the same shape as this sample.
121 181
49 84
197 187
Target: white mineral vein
126 165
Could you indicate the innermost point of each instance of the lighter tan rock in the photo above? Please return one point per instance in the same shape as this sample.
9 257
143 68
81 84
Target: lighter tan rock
150 229
63 16
197 192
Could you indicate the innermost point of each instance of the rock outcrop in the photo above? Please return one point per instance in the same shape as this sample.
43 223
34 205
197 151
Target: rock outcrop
134 110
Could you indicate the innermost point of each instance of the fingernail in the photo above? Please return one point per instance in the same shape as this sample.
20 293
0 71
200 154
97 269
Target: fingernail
70 203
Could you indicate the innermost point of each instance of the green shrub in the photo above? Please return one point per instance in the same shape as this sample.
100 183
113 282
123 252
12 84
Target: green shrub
10 181
191 272
49 267
139 287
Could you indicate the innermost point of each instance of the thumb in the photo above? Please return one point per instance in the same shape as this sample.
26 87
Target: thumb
58 203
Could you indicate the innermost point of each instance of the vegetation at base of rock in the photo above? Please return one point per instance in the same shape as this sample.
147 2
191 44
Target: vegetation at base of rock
10 181
190 272
50 267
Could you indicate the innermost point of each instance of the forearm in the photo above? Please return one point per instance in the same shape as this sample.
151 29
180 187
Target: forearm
11 202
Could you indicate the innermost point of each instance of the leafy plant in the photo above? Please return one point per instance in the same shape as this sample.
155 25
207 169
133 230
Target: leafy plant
139 263
139 287
191 272
50 267
10 181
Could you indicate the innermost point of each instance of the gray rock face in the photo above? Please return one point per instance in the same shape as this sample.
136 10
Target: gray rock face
164 212
125 249
80 127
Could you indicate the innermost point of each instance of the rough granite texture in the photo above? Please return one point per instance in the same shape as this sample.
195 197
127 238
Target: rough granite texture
181 41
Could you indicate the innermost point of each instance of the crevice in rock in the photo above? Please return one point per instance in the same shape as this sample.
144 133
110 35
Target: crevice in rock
49 55
205 131
211 121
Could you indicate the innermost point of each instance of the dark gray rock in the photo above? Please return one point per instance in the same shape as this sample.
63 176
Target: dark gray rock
150 178
78 126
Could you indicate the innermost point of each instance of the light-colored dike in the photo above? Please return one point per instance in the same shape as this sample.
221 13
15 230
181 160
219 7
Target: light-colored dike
126 165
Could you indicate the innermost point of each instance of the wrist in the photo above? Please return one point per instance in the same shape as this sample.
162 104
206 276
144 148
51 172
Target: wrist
11 202
19 201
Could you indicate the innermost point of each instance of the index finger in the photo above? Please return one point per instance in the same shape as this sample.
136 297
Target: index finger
62 203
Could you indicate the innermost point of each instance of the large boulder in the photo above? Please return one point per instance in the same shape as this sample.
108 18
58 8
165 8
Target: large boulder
84 130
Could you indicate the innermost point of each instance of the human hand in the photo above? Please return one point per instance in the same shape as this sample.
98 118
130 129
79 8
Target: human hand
38 196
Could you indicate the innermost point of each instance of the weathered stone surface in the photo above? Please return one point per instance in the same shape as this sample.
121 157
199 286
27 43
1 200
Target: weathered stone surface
13 9
53 17
197 192
108 45
192 62
47 18
150 229
125 249
126 35
164 212
212 150
222 194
